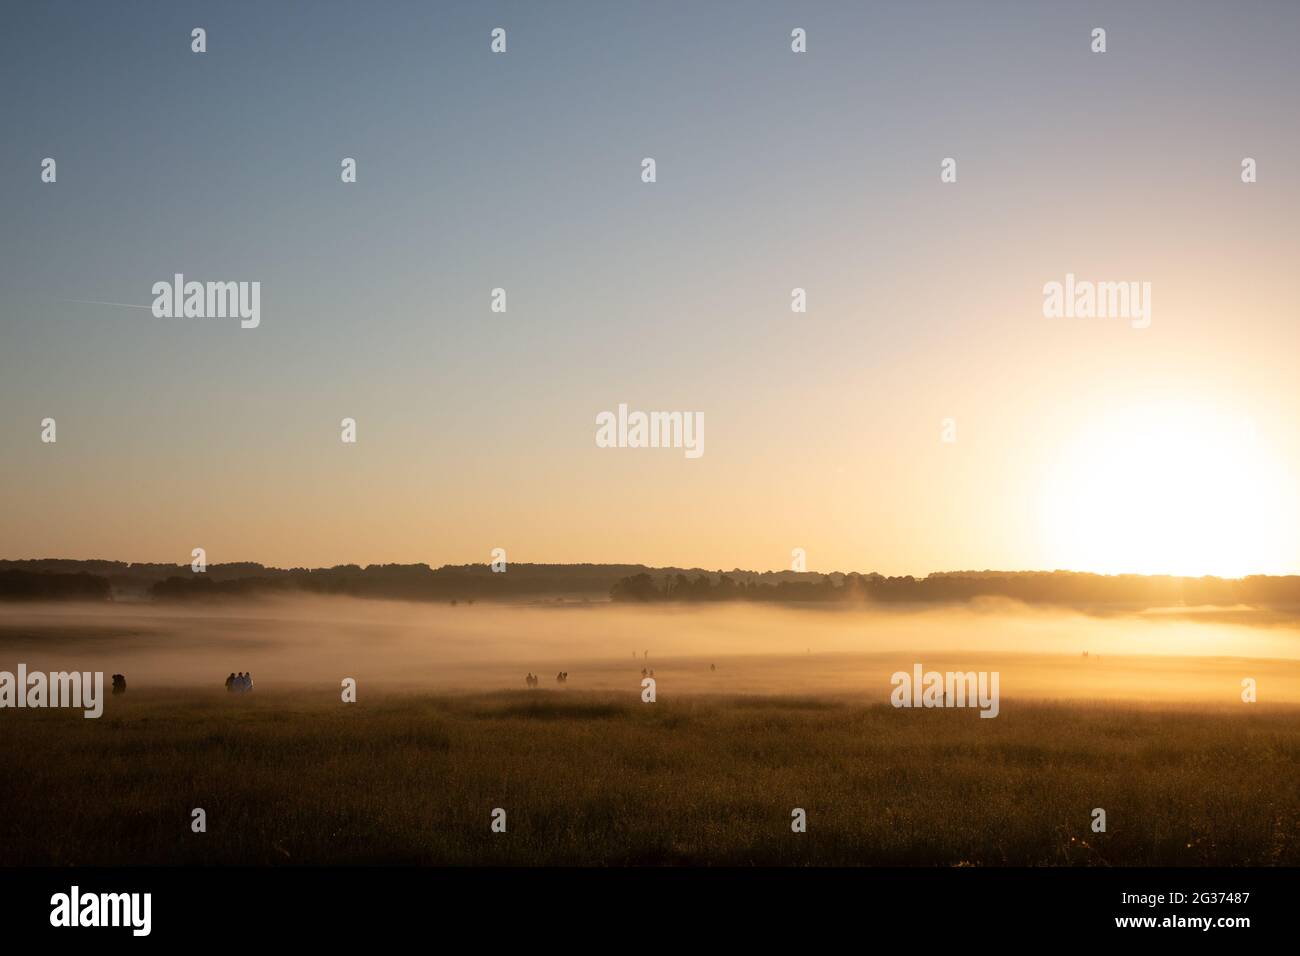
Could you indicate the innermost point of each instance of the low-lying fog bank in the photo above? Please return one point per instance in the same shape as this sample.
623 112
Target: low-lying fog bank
1184 655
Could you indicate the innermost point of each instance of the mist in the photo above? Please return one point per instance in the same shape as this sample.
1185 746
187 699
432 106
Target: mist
1189 654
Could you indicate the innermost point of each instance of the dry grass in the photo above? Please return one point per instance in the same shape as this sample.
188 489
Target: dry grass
598 778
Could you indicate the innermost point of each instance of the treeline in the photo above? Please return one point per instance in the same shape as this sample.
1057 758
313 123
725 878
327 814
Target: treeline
1031 587
57 579
413 582
35 586
125 579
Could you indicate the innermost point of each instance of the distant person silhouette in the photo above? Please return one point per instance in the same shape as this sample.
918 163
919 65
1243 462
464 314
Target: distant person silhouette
230 682
119 684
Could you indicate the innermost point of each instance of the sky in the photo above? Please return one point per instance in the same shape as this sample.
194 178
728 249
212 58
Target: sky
1080 443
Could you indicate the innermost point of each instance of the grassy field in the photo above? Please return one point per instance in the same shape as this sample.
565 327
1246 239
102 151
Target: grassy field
590 778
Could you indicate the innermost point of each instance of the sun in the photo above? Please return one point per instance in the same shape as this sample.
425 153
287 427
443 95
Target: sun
1169 489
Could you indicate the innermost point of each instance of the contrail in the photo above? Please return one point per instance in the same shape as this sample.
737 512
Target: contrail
124 305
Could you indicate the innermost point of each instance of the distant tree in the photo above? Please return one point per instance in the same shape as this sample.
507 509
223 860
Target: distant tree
638 587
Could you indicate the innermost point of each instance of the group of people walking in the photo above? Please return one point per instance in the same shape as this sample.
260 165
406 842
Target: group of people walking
240 683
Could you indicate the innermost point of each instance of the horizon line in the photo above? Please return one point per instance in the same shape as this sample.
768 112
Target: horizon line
658 567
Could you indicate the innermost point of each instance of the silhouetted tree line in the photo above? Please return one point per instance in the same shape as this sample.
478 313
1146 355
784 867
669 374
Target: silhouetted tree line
58 579
34 586
412 582
1032 587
